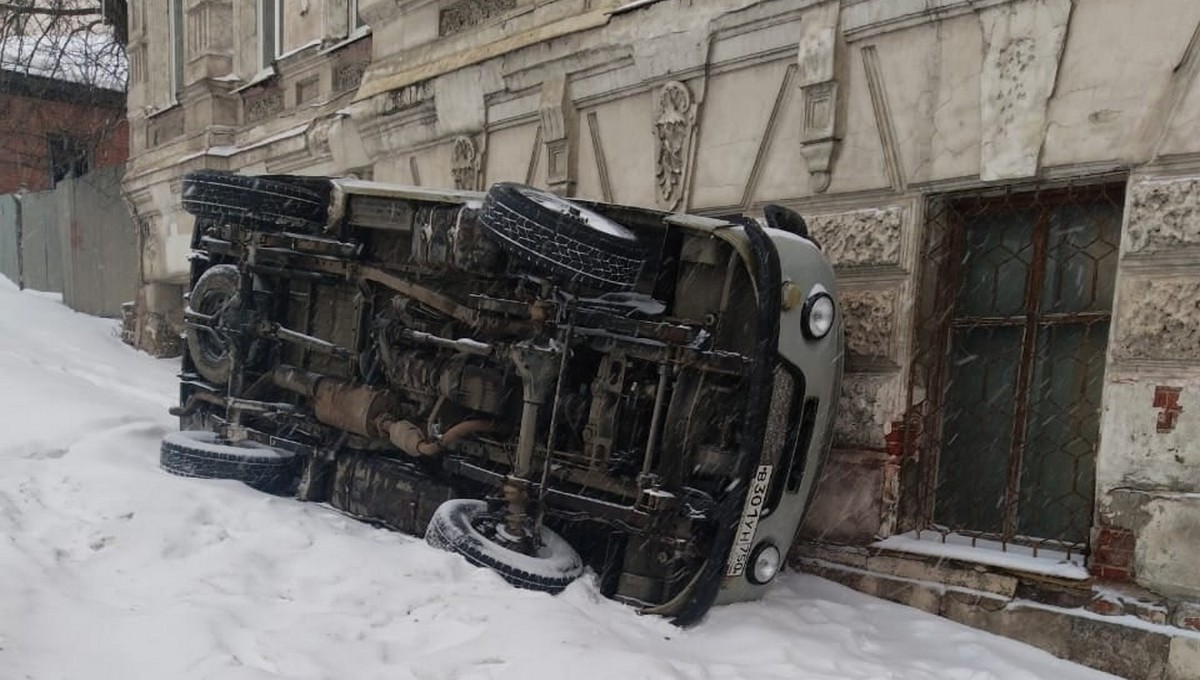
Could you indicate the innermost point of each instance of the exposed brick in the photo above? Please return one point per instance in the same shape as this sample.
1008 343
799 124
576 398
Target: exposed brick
1107 573
1106 607
1115 538
25 121
1113 558
1187 615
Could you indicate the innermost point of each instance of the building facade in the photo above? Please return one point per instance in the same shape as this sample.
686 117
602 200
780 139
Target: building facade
1009 189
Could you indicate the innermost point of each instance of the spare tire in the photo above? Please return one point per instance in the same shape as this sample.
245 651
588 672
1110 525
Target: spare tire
198 453
564 240
270 202
453 529
209 349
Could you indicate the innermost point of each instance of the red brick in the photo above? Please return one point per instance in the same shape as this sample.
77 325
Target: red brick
1107 573
1116 538
1113 557
1106 607
24 123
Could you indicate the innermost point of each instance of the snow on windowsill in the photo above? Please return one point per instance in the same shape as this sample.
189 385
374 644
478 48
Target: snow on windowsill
227 151
151 112
629 7
992 553
258 78
355 35
316 42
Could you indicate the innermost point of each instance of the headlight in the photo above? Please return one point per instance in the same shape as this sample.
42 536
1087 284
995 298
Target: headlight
764 564
818 315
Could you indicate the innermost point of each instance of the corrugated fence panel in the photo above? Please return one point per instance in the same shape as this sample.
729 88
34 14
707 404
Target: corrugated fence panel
99 238
10 262
41 251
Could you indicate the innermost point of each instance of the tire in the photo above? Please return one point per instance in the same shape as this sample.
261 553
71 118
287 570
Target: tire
210 352
553 569
198 453
562 239
270 202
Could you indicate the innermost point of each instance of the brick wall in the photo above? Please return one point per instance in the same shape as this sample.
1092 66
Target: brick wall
25 122
1112 556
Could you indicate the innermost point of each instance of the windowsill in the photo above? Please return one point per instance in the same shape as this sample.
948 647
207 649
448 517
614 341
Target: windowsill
355 35
258 79
630 6
298 50
155 113
1046 562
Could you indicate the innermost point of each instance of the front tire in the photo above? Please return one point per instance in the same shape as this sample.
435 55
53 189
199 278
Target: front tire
453 529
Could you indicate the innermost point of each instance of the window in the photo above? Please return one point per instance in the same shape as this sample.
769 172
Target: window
1017 335
270 30
18 17
68 158
355 18
177 38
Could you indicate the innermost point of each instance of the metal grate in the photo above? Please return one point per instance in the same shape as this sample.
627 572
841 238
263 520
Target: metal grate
1012 330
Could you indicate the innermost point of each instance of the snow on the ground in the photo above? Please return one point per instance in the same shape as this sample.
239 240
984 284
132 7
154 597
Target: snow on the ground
110 568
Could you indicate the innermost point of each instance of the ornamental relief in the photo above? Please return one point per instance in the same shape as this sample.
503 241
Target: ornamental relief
674 122
465 164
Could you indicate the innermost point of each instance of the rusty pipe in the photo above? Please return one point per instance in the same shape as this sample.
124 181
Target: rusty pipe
336 403
411 439
296 380
193 403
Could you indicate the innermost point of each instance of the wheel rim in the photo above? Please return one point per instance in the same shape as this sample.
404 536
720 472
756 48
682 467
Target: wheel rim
214 344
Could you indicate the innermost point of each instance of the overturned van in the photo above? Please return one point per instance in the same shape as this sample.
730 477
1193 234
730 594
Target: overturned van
541 385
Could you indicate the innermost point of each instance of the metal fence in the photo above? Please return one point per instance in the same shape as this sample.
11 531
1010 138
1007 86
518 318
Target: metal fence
77 239
1012 331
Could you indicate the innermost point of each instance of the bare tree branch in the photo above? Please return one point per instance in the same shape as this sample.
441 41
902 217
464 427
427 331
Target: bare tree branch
58 11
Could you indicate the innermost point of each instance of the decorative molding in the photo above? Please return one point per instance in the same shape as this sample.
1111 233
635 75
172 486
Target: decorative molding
263 106
1164 216
862 409
869 316
606 190
1023 47
308 89
1158 319
869 18
884 121
466 162
674 129
414 170
768 135
347 76
137 63
407 97
535 156
560 134
860 238
465 14
316 138
819 88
